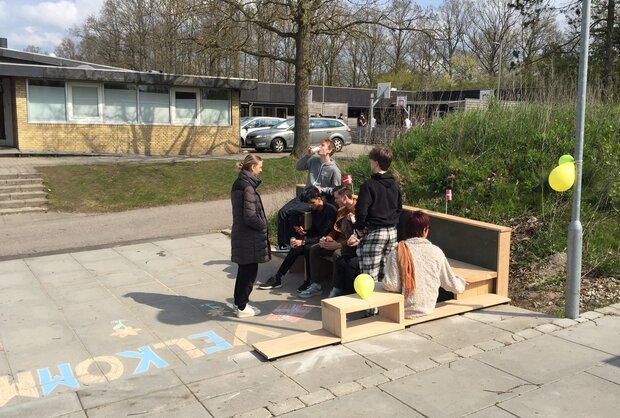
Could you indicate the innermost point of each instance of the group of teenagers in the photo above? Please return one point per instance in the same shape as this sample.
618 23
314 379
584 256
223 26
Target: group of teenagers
358 234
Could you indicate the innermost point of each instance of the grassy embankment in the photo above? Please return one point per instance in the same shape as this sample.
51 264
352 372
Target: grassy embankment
497 163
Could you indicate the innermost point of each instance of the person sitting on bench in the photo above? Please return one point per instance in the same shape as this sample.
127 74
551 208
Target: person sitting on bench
335 243
417 269
323 217
324 174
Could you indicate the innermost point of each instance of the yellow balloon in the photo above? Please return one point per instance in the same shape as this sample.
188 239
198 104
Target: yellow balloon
364 285
562 177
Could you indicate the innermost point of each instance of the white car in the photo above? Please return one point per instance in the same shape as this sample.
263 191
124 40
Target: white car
253 123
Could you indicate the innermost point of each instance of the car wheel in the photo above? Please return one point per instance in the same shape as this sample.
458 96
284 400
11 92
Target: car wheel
338 143
278 145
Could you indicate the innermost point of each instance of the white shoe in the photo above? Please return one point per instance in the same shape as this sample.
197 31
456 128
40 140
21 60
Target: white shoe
248 311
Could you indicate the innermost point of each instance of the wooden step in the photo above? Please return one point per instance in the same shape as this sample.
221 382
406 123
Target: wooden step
23 195
295 343
456 307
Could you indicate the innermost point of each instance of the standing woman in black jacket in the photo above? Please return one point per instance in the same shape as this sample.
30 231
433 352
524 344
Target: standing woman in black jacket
249 243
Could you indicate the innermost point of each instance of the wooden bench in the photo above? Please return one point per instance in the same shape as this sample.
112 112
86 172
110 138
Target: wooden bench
477 251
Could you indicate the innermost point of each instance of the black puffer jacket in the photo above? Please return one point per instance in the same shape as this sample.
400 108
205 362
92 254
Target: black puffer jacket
249 243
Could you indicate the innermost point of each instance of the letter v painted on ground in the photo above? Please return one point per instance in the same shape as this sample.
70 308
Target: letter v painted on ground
242 331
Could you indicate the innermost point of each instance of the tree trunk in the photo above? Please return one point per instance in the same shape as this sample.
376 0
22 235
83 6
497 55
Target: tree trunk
302 82
608 67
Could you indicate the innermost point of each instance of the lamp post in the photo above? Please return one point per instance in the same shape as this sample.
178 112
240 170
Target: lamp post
499 67
324 67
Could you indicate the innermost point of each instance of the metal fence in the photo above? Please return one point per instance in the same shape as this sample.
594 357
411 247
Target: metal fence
378 135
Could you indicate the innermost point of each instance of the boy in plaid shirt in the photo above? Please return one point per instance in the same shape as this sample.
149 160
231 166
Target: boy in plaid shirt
378 208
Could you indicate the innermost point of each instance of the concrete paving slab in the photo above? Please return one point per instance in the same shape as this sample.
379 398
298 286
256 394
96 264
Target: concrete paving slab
548 358
122 389
579 395
55 406
133 276
69 278
523 321
214 365
9 280
116 264
463 387
53 265
457 331
96 256
4 364
326 366
500 313
14 266
609 370
397 349
77 414
491 412
23 295
74 294
398 373
97 311
140 292
174 401
287 405
366 403
590 333
181 277
178 244
245 390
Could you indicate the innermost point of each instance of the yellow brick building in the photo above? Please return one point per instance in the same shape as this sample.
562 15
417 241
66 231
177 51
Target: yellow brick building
53 105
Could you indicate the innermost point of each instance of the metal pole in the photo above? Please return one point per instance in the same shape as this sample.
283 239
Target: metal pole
323 95
499 70
575 230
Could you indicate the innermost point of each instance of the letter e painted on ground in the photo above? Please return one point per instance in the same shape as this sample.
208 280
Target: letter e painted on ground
211 337
146 356
49 383
25 386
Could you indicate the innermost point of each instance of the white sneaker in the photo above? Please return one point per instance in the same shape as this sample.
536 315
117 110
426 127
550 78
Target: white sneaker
313 290
248 311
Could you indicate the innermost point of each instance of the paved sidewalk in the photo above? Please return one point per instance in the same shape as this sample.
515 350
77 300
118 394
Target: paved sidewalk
147 330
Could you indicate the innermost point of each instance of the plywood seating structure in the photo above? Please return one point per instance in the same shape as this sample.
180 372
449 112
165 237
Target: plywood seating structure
477 251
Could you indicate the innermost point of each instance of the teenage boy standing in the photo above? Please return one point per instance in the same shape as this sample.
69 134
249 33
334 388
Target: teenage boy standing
378 208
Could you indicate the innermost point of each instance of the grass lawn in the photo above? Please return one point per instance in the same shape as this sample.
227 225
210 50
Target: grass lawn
119 187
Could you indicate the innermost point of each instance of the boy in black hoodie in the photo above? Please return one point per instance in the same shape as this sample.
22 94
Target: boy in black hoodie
377 213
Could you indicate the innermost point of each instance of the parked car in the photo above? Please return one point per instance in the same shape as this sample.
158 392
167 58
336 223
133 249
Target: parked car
252 123
281 137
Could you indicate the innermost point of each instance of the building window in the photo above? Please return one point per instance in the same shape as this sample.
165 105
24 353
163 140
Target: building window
185 106
46 101
215 109
120 103
84 102
154 104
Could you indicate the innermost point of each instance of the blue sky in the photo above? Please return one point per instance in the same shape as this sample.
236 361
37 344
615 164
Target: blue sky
44 23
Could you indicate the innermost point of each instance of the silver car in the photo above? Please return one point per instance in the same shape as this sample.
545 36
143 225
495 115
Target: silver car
281 137
249 124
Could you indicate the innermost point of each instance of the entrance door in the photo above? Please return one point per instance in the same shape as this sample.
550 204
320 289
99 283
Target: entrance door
6 114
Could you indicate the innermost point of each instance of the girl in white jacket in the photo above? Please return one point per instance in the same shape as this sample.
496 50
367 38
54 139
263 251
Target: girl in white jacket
417 268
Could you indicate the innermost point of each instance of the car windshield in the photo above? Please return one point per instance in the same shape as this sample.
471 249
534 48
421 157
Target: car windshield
244 119
286 124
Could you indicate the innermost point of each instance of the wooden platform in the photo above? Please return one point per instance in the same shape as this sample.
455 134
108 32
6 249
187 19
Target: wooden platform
369 327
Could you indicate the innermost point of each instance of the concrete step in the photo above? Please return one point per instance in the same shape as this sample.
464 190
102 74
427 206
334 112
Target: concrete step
13 204
20 181
17 211
20 176
16 188
23 195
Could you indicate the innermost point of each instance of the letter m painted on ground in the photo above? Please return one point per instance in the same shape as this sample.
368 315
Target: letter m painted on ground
66 377
146 356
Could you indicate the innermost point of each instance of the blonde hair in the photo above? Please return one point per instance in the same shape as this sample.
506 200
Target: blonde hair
249 161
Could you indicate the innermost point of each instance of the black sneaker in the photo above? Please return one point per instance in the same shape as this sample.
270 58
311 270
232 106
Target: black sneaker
306 284
271 283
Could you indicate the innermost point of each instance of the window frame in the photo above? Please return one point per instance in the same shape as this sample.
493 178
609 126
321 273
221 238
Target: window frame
173 107
69 102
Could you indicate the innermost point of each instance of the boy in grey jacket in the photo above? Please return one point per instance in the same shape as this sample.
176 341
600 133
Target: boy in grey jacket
324 174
